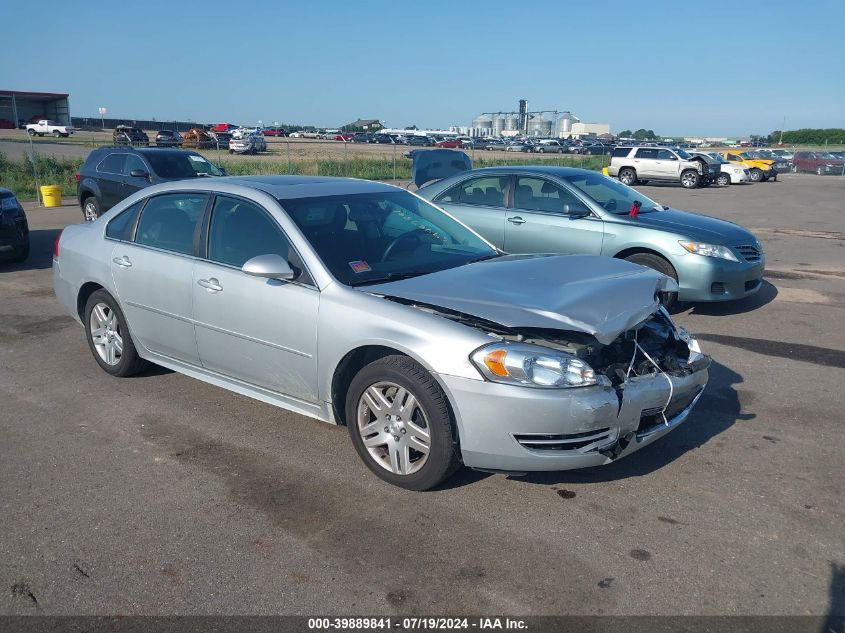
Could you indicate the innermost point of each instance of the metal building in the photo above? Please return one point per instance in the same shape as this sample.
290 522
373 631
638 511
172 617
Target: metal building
17 107
539 125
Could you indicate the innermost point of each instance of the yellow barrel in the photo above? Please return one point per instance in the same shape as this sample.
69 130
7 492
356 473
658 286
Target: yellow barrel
604 171
51 195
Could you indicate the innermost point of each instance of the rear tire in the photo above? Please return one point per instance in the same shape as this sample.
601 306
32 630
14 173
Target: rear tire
628 176
430 414
23 255
56 133
756 175
661 265
690 179
124 363
30 131
819 171
90 209
723 180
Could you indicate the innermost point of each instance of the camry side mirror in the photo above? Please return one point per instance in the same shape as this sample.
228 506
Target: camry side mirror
269 266
576 212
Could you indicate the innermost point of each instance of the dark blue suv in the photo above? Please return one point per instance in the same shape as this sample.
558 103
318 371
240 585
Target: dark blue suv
111 174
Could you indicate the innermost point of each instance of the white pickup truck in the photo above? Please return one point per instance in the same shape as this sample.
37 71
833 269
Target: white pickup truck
46 126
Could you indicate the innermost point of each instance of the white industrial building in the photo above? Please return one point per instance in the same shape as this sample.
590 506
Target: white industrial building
545 123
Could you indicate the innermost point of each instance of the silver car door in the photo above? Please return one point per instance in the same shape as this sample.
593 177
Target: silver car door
153 275
548 218
260 331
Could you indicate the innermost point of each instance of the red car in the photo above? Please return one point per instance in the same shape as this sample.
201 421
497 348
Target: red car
273 131
821 163
451 143
341 136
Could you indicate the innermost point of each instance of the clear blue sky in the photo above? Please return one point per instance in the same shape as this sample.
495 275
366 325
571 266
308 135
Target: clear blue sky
705 67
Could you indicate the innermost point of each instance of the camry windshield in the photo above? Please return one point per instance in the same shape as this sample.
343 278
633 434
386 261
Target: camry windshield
684 155
612 195
372 237
181 165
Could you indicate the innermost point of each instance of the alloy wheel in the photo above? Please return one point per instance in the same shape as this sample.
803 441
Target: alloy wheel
90 210
394 428
106 334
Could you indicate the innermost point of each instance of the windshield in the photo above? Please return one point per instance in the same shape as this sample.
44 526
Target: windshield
369 237
683 154
717 158
181 165
612 195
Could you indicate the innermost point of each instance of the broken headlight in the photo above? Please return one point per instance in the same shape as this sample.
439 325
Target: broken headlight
709 250
532 366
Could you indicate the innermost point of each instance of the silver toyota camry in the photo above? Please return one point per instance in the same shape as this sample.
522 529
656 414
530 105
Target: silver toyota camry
362 304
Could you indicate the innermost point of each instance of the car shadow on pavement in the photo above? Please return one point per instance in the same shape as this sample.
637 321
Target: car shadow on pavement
40 252
720 408
766 294
836 607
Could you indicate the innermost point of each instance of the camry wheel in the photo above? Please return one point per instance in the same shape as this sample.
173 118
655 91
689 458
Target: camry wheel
661 265
108 337
400 424
723 180
90 209
756 175
627 176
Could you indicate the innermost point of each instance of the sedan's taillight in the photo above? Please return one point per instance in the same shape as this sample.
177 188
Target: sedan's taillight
56 246
78 177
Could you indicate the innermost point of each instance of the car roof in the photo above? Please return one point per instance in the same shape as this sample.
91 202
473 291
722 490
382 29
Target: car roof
289 187
559 172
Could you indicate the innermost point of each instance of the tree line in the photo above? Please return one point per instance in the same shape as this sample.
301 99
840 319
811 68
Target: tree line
809 136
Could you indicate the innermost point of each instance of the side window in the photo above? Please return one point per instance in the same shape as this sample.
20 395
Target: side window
112 164
536 194
118 227
621 152
665 154
169 221
132 163
241 230
646 152
488 191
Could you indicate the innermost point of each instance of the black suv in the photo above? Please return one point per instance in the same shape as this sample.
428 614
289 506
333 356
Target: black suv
127 135
111 174
14 230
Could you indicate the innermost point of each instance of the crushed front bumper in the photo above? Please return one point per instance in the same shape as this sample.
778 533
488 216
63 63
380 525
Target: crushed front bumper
512 428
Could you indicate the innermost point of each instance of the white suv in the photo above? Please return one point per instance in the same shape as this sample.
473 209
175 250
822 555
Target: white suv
634 165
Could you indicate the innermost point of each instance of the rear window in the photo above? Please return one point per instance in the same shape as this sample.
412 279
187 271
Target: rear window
112 164
621 152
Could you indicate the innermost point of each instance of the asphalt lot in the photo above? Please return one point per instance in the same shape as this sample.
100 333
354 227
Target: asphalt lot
159 494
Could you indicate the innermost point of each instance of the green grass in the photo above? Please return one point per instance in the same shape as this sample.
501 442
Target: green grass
18 175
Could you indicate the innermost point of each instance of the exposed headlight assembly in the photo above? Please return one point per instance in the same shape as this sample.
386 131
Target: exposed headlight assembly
532 366
709 250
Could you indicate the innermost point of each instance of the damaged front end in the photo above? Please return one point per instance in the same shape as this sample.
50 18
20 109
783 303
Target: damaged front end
613 398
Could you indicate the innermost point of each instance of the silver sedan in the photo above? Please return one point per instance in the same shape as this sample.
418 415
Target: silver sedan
362 304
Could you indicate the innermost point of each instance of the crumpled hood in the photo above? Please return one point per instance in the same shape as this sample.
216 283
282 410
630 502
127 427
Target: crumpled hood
700 228
601 296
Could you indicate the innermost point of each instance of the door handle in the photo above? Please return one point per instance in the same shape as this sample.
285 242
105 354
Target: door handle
210 284
516 220
123 262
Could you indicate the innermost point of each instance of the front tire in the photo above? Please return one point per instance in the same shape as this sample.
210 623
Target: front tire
819 171
723 180
690 179
661 265
756 175
628 176
400 425
108 336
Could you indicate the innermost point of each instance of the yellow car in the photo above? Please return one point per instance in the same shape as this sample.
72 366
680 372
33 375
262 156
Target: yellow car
760 168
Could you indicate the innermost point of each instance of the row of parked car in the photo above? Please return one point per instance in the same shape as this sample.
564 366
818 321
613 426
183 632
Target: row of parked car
241 141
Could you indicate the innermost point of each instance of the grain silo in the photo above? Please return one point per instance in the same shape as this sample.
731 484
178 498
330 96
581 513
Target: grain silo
539 125
564 124
498 124
511 122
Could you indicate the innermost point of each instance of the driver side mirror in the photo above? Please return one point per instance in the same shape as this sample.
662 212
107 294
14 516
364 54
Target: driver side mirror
139 173
576 212
269 266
